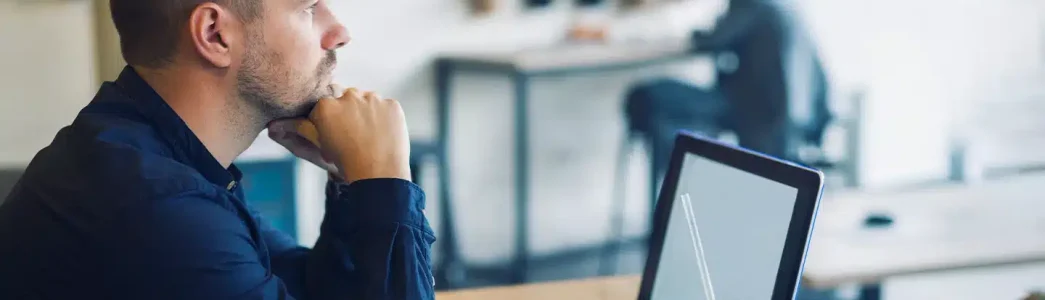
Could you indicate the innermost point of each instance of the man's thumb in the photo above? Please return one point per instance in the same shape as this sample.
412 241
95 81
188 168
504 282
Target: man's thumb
307 130
301 127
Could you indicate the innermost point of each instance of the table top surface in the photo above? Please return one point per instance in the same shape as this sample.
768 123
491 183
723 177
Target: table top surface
603 288
573 55
937 229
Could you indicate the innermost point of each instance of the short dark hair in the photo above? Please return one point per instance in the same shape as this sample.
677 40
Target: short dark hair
149 29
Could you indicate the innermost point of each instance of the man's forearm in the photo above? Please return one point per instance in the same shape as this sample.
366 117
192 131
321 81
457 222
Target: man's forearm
374 243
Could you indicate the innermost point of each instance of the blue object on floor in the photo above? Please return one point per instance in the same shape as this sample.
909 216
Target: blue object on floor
269 187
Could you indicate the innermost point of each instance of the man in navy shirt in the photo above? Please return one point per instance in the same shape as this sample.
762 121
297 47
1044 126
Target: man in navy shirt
138 198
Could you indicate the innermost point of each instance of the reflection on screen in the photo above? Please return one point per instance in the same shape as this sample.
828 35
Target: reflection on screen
725 234
698 246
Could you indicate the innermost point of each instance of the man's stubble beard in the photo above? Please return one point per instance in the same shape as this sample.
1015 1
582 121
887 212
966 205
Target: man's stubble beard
272 90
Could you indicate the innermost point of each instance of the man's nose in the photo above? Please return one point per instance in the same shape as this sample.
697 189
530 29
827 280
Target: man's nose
336 37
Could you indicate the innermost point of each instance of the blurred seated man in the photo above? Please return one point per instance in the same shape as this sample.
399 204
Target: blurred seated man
769 78
139 198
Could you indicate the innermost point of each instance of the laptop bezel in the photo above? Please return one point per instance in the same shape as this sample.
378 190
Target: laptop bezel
807 181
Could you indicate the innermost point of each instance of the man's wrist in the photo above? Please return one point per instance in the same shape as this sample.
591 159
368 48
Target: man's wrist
391 172
378 200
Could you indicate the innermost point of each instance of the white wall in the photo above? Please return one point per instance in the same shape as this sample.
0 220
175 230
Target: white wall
915 58
46 73
924 63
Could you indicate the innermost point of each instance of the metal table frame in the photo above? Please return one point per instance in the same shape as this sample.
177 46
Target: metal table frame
446 67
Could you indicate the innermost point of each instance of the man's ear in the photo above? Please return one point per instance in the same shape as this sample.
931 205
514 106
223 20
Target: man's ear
212 34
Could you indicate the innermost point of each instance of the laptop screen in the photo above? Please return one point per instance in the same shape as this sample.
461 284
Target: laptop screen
725 234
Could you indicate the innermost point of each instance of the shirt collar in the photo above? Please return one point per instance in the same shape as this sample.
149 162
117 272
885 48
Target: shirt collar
186 146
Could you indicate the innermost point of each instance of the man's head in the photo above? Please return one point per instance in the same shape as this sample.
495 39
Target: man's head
275 56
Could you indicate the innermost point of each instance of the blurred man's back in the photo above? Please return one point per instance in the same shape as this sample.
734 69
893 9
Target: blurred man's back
771 88
777 80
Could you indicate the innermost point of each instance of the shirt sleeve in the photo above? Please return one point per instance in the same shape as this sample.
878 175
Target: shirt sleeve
374 244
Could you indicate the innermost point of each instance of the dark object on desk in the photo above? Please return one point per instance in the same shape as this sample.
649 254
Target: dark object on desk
537 3
878 220
589 3
481 7
633 3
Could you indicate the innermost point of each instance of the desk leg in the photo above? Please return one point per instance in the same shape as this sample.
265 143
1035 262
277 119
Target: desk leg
450 271
871 292
522 178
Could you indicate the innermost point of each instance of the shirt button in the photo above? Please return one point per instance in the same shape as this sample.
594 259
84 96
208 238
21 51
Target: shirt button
231 185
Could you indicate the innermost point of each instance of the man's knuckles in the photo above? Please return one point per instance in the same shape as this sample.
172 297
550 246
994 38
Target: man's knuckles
371 97
355 95
354 101
395 109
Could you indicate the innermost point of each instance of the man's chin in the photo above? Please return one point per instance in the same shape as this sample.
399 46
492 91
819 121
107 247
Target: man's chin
306 109
299 111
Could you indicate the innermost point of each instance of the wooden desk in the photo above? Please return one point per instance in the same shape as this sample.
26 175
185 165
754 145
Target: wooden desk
946 228
521 66
608 288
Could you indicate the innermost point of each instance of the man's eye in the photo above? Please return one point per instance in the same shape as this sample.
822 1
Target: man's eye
312 9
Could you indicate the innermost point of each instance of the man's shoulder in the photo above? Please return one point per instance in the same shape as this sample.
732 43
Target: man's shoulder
114 156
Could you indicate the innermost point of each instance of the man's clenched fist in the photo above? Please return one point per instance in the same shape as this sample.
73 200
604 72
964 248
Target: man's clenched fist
356 136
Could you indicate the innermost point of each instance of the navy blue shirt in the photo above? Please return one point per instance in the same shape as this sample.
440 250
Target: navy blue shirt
126 203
